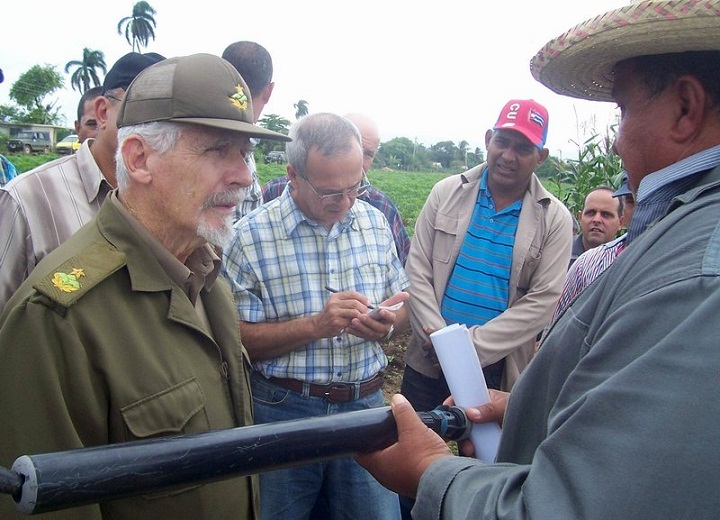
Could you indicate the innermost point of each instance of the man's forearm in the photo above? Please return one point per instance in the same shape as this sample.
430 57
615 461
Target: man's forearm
268 340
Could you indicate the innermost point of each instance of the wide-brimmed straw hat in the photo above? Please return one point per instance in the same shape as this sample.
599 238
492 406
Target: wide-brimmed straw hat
580 62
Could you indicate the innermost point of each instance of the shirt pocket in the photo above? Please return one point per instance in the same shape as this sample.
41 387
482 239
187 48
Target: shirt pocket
446 227
370 280
178 409
530 265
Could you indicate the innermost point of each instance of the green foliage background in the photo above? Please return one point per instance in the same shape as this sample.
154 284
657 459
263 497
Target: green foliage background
408 190
596 165
569 180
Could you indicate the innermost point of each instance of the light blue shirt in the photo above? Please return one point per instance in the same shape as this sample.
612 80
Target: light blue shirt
698 162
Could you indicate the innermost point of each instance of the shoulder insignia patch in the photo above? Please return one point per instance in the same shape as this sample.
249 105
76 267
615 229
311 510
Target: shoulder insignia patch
70 281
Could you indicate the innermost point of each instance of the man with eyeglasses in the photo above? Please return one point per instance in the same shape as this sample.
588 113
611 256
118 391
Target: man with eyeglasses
43 207
306 268
370 142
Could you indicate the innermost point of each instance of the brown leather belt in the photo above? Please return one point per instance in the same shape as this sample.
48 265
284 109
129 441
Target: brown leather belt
334 392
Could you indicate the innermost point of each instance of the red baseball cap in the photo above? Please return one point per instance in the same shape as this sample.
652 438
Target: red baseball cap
526 116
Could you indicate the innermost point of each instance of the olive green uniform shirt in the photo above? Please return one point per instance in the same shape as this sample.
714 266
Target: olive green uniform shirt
101 346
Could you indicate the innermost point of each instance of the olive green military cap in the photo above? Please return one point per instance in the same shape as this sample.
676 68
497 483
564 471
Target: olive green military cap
201 89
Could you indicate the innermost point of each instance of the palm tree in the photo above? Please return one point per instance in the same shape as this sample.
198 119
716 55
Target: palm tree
463 151
139 27
301 109
85 76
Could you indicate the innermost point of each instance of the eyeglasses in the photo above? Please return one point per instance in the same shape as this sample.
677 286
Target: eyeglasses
355 191
113 97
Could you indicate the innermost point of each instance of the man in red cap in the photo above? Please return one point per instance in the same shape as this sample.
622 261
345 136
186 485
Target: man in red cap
490 251
476 257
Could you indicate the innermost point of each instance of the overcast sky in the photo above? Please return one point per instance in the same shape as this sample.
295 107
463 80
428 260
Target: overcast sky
431 71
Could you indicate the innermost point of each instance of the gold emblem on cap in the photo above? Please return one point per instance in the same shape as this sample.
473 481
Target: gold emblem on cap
68 282
239 99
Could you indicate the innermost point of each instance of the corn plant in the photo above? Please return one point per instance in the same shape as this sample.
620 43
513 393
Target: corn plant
596 165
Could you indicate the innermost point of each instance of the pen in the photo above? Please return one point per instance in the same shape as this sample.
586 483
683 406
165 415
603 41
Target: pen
332 290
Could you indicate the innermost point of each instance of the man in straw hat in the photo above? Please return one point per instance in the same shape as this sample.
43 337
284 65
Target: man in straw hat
618 414
125 331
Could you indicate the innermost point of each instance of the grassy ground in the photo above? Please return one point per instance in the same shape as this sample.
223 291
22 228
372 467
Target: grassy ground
24 162
408 190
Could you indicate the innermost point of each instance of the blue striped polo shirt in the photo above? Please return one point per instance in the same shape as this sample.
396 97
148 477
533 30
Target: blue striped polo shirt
477 290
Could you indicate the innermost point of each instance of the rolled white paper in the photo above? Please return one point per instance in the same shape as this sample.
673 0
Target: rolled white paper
461 366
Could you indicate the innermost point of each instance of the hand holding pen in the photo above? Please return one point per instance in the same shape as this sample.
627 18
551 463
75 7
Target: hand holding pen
378 320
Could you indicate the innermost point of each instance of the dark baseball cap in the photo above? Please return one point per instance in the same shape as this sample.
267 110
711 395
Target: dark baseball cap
201 89
624 189
126 69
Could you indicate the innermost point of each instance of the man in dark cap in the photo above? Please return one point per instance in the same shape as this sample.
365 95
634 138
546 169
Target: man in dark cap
44 206
618 414
126 332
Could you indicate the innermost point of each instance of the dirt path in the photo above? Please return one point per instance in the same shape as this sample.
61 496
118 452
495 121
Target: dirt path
395 351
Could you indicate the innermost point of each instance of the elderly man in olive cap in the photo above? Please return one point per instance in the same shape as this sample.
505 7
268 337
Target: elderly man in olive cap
618 414
43 207
125 331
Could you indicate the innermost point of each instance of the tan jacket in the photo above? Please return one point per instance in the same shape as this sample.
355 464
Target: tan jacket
540 256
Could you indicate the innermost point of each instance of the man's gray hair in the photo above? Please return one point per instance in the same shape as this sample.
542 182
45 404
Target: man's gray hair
330 134
161 136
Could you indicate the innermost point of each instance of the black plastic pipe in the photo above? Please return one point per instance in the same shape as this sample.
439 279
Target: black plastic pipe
73 478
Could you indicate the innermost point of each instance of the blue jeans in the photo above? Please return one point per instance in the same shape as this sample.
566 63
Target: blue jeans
342 487
423 392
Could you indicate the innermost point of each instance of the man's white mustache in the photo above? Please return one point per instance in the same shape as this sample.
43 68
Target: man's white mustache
225 198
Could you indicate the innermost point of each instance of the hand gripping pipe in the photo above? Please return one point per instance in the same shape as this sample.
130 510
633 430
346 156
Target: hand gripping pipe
52 481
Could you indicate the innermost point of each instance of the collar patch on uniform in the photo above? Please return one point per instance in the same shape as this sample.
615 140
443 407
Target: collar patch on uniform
68 282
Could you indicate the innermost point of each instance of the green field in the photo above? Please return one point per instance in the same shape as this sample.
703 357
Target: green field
408 190
24 162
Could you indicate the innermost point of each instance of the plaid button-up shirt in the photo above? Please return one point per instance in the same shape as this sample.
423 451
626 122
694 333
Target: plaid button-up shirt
279 264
